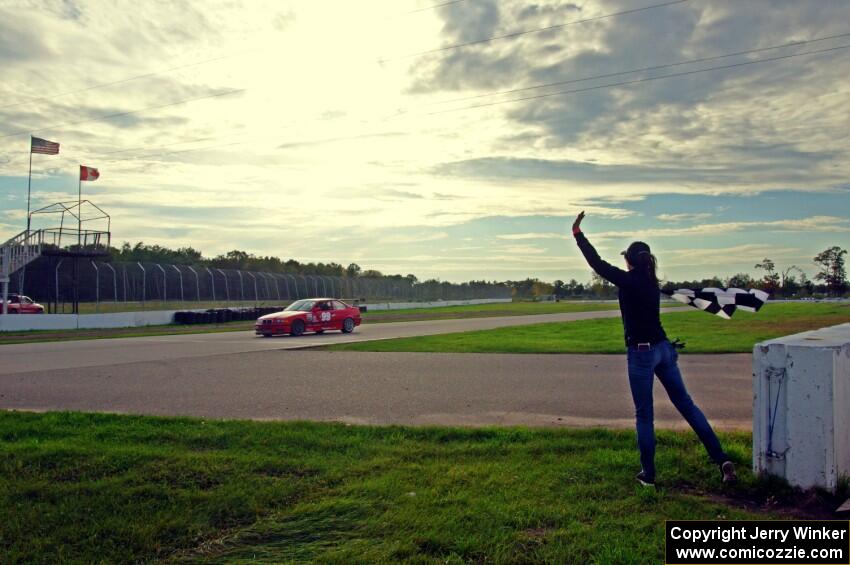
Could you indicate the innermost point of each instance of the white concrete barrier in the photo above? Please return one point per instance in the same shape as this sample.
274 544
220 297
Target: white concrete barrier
801 407
27 322
437 304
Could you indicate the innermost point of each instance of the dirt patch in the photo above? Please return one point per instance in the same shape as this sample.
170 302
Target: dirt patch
810 504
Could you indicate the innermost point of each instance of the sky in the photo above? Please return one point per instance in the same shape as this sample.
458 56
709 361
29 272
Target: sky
387 133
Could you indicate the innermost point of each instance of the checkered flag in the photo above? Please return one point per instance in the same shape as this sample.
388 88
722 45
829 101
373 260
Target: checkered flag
720 301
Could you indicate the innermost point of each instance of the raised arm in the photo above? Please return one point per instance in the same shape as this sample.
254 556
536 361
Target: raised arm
604 269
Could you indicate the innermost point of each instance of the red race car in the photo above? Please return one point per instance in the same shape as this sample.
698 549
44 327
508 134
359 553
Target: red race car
19 304
310 315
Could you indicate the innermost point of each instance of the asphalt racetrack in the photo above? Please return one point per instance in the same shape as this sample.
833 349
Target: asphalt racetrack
238 375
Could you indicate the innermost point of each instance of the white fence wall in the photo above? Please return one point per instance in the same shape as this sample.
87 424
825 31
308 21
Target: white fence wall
17 323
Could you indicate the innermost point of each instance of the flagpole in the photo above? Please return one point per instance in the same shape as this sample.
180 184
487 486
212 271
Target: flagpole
29 185
79 208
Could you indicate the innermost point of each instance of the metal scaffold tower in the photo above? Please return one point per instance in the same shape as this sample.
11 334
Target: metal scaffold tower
72 240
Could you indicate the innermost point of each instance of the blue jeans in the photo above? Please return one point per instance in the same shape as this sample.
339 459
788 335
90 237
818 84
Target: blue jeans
660 360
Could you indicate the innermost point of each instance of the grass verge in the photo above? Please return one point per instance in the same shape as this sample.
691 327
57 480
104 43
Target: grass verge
106 488
487 310
703 333
38 336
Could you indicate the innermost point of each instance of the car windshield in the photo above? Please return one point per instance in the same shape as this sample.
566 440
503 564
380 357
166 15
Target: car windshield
300 306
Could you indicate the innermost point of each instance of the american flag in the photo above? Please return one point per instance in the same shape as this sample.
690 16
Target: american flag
43 146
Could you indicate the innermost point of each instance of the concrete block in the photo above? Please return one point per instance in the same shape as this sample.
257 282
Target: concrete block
26 322
801 407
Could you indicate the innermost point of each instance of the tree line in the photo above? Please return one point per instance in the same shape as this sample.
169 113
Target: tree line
788 281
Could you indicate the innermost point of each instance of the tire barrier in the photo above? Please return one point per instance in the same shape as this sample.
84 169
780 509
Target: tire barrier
222 315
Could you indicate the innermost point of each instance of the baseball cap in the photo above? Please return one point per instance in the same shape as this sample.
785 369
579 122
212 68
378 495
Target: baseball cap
635 249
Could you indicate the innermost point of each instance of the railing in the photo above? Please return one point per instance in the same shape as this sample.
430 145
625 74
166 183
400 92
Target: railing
20 250
77 240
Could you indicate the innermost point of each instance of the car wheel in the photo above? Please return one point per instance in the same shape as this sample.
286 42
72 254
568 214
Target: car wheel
318 332
297 328
267 335
348 326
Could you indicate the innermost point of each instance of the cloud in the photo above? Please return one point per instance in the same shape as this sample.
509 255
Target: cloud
522 250
326 128
748 254
315 142
399 195
521 236
560 170
417 238
827 224
17 42
722 176
676 218
732 130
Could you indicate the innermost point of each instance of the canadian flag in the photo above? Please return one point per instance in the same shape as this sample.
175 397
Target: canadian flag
88 173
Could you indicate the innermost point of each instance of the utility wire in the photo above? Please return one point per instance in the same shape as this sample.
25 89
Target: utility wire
118 114
641 80
121 81
537 30
435 6
191 149
606 75
143 148
643 69
573 91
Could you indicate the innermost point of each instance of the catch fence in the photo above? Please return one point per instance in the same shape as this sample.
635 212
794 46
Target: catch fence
58 281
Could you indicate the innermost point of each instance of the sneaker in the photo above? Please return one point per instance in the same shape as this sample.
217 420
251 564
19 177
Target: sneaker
645 479
727 472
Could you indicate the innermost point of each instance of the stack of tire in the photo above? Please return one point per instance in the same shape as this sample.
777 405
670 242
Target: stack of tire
222 315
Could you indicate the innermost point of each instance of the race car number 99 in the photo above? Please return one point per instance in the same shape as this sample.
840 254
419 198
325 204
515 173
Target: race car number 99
326 316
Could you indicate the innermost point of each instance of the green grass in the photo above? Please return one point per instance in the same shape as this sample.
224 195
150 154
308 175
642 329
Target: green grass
498 309
106 489
39 336
702 332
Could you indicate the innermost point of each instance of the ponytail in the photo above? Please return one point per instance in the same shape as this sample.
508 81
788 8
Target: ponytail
646 262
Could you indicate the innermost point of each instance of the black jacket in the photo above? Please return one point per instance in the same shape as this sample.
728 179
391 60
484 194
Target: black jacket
640 298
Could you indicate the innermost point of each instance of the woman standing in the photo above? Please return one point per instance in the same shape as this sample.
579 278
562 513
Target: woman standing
650 353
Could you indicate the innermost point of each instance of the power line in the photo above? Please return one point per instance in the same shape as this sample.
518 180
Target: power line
643 69
435 6
119 114
191 149
209 138
640 80
121 81
573 91
537 30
